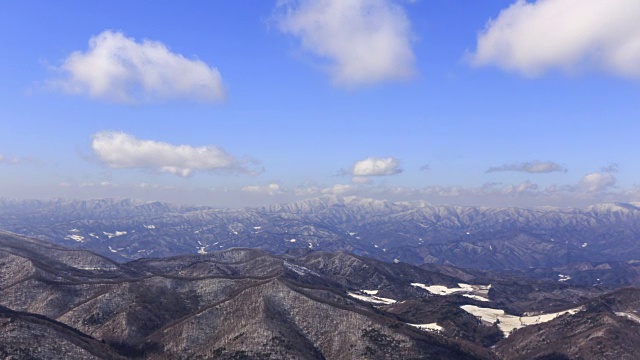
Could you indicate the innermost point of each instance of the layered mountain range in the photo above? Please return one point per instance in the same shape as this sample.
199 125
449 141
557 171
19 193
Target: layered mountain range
240 303
582 245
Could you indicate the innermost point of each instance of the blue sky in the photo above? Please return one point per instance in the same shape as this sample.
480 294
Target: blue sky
228 103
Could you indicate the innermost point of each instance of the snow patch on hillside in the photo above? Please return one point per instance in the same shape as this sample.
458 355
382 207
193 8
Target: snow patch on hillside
476 292
429 327
300 270
476 297
630 316
508 323
372 298
563 278
115 234
77 238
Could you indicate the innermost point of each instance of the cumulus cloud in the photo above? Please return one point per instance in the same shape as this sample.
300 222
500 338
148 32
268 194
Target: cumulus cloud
596 182
269 189
373 166
532 167
533 37
120 150
119 68
363 41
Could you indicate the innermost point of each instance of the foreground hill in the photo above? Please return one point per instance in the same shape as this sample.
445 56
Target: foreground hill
235 304
249 304
31 336
608 328
416 233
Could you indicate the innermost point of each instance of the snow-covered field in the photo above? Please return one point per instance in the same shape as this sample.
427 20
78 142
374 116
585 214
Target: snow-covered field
476 292
369 296
508 323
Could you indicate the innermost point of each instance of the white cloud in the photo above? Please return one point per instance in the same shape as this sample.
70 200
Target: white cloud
532 37
118 68
532 167
339 189
120 150
373 166
520 188
596 182
269 189
364 41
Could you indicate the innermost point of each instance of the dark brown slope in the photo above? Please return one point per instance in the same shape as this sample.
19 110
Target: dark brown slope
608 328
446 312
28 336
280 319
240 303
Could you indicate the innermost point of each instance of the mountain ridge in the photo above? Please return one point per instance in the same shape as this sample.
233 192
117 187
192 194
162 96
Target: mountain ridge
417 233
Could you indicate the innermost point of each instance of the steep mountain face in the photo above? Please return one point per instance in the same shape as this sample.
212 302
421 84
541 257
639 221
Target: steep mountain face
29 336
416 233
250 304
608 328
240 303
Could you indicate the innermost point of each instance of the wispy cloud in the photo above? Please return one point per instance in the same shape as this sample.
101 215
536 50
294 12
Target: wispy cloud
361 180
373 166
269 189
118 68
363 41
339 189
533 37
591 189
520 188
532 167
8 159
14 160
611 168
121 150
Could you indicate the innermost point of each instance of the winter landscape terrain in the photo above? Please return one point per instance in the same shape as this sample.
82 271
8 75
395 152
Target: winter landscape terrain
130 279
320 179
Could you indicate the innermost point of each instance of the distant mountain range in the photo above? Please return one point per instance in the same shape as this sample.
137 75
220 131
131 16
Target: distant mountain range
57 303
411 232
